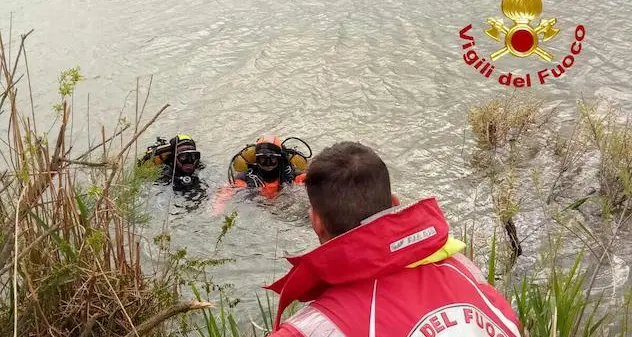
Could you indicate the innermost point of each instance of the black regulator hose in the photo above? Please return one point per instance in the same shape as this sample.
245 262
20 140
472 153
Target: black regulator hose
231 176
304 143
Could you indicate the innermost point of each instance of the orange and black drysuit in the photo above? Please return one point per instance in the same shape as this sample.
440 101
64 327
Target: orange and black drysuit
266 166
269 181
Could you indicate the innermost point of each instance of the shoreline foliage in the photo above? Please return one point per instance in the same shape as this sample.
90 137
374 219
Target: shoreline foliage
581 199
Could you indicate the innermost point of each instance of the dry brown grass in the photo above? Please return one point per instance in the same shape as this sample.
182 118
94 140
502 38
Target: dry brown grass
502 128
503 120
69 256
609 131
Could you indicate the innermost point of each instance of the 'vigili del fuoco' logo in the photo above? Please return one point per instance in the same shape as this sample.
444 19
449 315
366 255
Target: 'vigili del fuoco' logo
522 39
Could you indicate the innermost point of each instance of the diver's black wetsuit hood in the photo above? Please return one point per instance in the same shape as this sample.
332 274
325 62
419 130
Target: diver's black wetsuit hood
265 148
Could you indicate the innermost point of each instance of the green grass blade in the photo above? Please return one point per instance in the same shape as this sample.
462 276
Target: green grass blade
222 311
491 274
64 246
233 326
83 210
205 313
263 313
212 327
270 312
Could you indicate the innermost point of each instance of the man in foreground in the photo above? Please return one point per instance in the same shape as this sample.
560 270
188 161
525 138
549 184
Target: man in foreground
382 270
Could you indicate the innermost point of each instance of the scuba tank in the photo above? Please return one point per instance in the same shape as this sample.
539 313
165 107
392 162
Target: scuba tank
296 158
158 153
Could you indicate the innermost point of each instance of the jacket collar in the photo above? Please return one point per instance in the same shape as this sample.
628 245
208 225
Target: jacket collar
384 243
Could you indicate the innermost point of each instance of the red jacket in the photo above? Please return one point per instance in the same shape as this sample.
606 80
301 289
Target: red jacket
396 275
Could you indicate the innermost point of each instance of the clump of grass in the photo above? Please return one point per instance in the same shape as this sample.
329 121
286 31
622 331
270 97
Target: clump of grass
500 121
217 326
222 321
554 307
501 128
554 299
612 138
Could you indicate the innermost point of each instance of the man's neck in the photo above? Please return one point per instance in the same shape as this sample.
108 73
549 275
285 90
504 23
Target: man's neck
382 213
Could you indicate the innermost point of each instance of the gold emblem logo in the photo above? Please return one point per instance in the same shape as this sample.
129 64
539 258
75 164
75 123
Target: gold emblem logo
522 39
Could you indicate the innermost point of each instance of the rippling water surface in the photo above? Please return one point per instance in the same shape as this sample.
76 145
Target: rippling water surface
387 73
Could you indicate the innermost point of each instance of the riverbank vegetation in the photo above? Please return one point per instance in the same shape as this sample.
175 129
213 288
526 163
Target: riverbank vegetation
572 181
70 218
69 254
70 259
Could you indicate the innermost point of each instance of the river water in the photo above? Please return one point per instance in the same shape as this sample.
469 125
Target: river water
389 74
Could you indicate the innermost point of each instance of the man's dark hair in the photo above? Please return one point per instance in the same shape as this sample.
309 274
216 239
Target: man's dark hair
347 183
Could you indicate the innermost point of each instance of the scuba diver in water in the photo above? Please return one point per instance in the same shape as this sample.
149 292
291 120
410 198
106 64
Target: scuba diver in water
179 159
273 166
265 167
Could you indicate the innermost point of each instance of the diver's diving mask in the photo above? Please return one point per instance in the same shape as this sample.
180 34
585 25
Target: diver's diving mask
268 161
188 157
187 161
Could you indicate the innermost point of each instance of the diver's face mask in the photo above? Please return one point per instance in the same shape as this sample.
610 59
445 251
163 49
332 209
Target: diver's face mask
268 161
188 160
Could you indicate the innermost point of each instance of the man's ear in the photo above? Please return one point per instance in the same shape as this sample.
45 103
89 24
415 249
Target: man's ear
394 199
318 226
